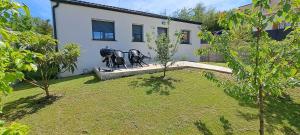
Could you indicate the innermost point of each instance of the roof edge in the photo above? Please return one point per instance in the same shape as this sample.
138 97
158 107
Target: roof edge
123 10
245 5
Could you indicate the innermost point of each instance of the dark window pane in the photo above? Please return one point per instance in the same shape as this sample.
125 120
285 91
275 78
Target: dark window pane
137 33
185 37
161 30
103 30
98 35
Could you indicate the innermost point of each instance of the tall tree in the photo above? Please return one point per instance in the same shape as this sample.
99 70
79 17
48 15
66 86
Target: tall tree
42 26
210 20
274 66
28 23
199 13
184 13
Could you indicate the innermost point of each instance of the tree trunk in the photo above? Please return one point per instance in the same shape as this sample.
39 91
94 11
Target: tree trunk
261 111
47 91
165 69
46 88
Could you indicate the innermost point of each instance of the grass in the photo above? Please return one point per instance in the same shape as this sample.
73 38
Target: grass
223 64
184 103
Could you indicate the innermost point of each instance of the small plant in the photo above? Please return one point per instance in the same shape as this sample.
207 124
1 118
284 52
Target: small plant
52 62
164 48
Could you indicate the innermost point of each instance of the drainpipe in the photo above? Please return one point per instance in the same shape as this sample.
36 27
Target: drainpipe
54 23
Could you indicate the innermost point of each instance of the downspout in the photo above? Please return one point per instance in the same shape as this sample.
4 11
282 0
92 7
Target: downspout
54 23
54 29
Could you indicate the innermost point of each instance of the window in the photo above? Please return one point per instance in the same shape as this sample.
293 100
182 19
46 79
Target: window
185 37
282 25
161 30
103 30
137 33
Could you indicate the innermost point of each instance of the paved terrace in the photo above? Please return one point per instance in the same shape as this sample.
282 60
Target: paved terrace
153 68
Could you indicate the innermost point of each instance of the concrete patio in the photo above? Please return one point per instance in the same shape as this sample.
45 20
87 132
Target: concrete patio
153 68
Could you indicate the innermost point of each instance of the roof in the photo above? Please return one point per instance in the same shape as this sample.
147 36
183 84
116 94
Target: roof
122 10
246 5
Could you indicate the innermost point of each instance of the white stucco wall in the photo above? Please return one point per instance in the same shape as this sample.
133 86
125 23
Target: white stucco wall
74 25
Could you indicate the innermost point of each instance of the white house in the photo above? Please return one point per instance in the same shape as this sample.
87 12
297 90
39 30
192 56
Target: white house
95 26
273 26
276 30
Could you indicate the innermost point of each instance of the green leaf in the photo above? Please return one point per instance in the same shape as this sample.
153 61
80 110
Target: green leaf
19 75
287 27
2 122
293 72
4 33
2 44
279 13
18 63
34 67
286 7
10 77
26 9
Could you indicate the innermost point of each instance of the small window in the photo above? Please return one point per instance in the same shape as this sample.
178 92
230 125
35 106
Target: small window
161 30
137 33
185 37
103 30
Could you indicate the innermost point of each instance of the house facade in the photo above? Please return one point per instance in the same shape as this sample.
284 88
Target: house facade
276 30
273 26
95 26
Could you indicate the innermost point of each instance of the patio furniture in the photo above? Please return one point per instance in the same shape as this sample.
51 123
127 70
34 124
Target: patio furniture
136 57
107 55
118 58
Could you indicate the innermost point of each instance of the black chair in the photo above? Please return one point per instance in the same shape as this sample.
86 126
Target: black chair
118 58
136 57
107 54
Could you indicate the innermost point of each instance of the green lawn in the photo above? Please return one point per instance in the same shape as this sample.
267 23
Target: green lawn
186 103
216 63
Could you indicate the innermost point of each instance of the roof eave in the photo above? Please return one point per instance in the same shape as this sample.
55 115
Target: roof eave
123 10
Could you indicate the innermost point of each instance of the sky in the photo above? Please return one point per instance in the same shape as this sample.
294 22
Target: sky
42 8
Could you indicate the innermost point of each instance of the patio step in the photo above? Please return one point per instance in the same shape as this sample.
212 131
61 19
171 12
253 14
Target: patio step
153 68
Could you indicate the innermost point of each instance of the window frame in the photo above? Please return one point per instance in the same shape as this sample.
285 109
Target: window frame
142 34
167 34
189 37
105 39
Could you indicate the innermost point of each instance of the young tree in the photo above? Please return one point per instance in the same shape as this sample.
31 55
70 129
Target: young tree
273 66
164 48
52 61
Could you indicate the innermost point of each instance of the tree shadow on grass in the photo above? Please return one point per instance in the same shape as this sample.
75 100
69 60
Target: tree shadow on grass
156 84
226 126
248 116
24 86
92 81
281 109
278 110
202 127
19 108
242 96
289 131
